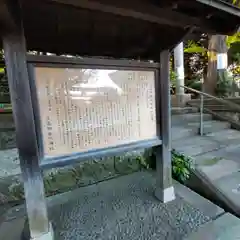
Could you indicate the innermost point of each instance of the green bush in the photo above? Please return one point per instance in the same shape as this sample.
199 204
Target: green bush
196 84
181 164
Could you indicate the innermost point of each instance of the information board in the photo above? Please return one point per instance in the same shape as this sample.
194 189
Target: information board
87 109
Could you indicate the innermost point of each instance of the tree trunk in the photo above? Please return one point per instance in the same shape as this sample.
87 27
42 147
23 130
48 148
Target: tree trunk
179 71
217 45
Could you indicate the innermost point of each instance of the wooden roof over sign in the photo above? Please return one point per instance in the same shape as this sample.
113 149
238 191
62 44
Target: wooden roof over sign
118 28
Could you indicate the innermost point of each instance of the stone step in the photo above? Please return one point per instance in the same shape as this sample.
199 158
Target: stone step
228 191
196 145
183 110
227 152
189 118
217 176
207 207
192 129
215 168
213 130
209 126
180 132
224 227
228 136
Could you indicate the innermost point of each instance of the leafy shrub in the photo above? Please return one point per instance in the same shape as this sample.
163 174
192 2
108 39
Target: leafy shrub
196 84
181 164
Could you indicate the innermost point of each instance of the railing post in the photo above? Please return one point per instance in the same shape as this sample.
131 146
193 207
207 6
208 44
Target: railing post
165 189
201 110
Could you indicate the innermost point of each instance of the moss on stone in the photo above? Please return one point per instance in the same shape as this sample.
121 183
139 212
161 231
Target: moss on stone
210 162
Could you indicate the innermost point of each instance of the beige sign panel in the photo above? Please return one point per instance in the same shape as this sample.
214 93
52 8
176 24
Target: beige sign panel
86 109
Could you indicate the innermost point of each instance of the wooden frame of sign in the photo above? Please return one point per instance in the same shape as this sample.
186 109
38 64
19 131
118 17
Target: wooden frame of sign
63 36
30 140
88 108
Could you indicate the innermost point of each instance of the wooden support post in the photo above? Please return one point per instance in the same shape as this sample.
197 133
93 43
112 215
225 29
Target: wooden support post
15 58
165 190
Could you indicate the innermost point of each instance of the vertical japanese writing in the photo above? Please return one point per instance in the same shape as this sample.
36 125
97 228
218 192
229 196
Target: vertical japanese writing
95 110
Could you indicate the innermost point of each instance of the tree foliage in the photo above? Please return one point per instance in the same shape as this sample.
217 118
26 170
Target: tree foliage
197 54
235 2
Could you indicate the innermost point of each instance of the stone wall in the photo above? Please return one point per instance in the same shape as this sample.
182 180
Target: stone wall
7 132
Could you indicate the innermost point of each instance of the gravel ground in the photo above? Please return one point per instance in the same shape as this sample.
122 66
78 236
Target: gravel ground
122 208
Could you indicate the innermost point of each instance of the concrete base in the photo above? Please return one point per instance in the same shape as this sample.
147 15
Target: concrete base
46 236
166 195
180 100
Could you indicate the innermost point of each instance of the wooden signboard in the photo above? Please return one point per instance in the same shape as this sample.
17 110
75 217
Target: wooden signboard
82 109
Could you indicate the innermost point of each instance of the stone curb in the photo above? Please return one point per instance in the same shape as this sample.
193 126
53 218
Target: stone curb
203 204
223 228
201 184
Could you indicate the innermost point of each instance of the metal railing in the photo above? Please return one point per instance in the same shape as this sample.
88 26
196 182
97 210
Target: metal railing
202 95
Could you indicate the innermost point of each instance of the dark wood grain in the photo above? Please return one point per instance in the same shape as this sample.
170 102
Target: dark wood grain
101 63
15 58
135 9
163 152
73 62
7 22
117 28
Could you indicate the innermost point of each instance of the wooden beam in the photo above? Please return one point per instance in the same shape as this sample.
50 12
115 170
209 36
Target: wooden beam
19 86
7 21
135 9
165 189
15 57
